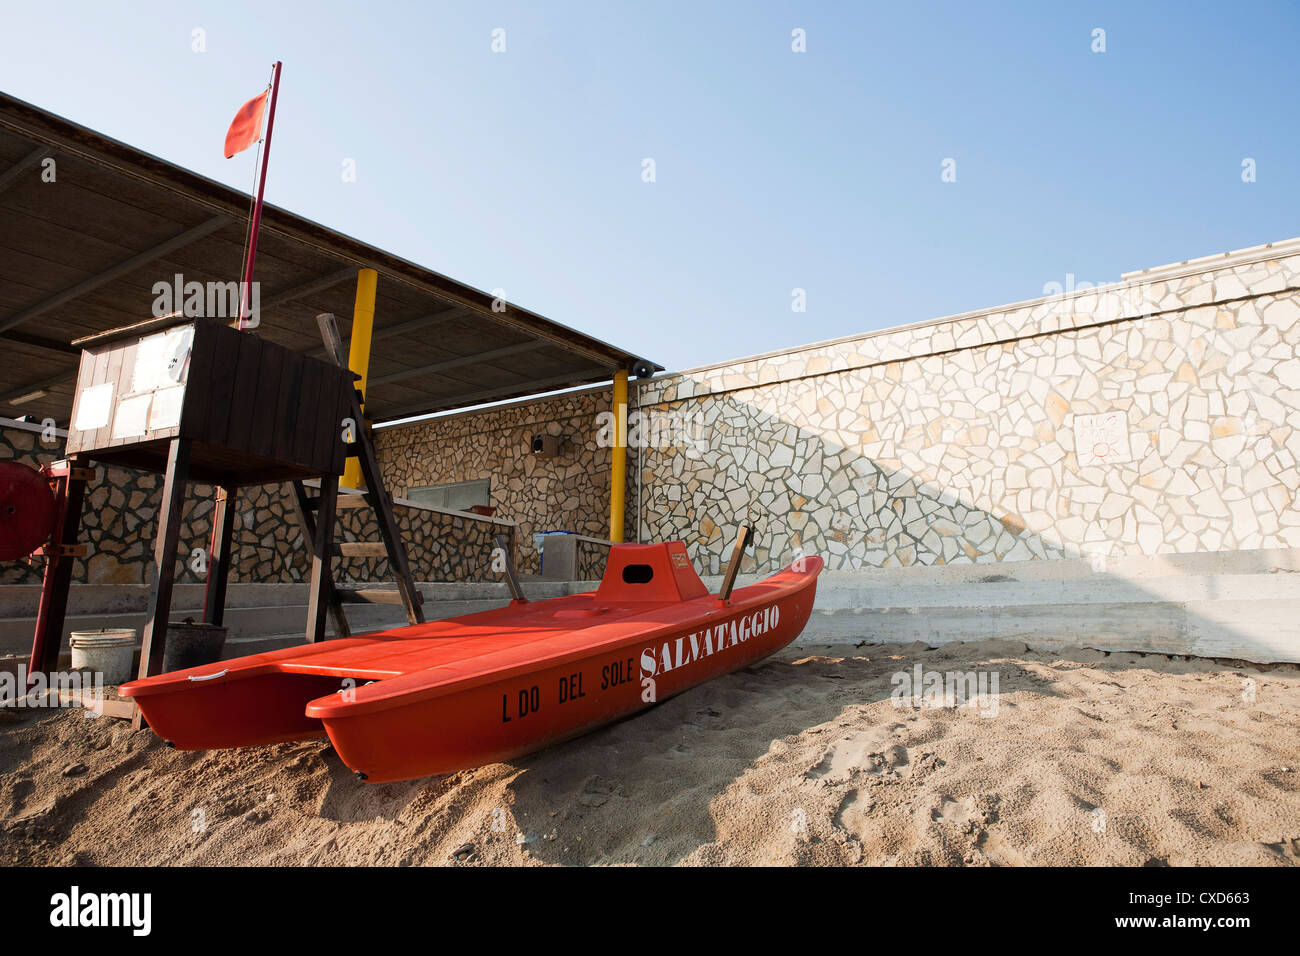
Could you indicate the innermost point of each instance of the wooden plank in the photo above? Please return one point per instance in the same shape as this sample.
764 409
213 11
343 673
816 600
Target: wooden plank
248 371
336 457
198 382
288 400
262 437
219 555
126 353
112 376
327 423
99 375
506 544
352 501
103 706
224 357
733 567
371 596
154 640
304 436
147 327
329 333
388 530
302 506
318 596
77 440
362 549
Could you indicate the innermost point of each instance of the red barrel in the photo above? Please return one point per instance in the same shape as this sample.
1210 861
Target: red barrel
26 510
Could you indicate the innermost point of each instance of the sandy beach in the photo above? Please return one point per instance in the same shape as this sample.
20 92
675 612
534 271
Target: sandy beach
1077 758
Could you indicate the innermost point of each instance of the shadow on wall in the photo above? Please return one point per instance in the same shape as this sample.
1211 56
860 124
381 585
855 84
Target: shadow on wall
1190 426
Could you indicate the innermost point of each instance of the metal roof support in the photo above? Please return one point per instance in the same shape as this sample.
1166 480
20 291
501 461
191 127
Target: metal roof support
40 342
42 386
433 318
476 359
486 395
192 234
307 288
10 175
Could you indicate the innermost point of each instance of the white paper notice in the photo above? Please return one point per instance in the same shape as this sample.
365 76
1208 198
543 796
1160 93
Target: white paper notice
166 410
150 363
177 355
93 407
162 360
132 416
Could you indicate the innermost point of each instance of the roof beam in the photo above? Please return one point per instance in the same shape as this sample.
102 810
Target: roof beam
476 359
433 318
44 385
126 267
40 342
307 288
433 404
10 175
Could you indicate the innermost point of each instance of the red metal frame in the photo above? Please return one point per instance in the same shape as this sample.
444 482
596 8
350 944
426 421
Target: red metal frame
68 479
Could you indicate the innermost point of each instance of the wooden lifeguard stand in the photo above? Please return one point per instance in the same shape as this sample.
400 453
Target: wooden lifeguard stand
196 400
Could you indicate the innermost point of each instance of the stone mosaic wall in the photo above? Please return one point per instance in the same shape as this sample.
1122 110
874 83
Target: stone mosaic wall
569 492
1158 415
1162 415
120 521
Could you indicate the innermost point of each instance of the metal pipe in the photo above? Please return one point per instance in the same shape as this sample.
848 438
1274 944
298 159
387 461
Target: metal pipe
363 324
618 459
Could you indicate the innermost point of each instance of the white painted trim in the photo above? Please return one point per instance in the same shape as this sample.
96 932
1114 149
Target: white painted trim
1129 280
29 427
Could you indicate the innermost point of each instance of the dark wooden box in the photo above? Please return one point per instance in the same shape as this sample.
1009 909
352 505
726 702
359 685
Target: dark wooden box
254 411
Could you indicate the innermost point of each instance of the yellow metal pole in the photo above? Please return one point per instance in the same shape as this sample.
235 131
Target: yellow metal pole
618 461
363 323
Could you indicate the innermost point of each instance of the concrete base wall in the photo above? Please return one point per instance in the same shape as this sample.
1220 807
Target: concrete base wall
1230 604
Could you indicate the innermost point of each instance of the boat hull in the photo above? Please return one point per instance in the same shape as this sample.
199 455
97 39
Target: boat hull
512 717
481 688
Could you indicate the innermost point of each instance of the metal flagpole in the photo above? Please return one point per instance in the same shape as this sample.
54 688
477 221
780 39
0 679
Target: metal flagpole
246 287
219 542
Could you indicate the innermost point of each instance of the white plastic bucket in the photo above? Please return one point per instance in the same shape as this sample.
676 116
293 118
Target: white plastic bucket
106 650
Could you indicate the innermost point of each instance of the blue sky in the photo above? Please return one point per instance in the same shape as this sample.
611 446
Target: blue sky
774 170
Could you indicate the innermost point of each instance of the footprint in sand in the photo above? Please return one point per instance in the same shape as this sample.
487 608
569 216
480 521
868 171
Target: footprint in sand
972 817
875 751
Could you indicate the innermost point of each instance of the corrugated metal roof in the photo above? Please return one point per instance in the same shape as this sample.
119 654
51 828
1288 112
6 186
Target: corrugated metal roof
81 255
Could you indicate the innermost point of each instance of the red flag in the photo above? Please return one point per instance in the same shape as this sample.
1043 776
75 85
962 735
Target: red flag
246 128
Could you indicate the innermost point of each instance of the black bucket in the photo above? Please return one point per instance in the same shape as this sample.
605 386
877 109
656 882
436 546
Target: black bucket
192 645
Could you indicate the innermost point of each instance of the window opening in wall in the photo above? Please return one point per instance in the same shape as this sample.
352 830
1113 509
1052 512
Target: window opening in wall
456 495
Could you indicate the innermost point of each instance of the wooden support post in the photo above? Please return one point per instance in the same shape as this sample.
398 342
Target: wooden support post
322 581
153 644
412 599
47 640
219 555
512 578
303 507
733 568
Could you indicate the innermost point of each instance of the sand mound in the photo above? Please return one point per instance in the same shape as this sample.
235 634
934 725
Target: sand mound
1077 758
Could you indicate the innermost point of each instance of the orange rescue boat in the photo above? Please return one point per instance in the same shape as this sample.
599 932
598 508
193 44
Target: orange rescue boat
466 691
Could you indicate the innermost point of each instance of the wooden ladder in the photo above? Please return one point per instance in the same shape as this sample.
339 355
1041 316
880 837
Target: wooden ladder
316 516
